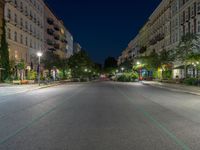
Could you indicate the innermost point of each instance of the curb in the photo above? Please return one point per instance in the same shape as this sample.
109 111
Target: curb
172 89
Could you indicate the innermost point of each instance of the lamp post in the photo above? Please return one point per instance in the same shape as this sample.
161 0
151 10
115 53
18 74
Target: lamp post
122 69
39 54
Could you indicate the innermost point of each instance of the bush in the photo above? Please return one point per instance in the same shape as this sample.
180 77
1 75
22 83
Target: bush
191 81
167 74
32 75
128 77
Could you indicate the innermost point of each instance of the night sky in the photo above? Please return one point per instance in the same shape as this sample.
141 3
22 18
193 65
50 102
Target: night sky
103 27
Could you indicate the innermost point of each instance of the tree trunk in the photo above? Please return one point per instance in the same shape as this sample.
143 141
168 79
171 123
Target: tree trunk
185 70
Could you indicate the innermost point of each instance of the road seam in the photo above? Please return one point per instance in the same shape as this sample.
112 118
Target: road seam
157 123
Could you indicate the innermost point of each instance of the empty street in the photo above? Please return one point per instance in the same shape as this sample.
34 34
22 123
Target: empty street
100 116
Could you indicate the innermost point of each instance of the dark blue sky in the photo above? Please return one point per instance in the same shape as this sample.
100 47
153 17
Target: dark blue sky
103 27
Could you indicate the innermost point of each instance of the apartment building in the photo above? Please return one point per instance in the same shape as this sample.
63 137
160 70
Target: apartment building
70 44
143 40
132 51
55 34
159 27
25 29
1 16
165 27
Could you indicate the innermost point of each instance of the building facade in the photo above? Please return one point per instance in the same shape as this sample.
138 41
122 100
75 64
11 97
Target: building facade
55 34
70 44
25 29
77 48
1 16
165 27
159 27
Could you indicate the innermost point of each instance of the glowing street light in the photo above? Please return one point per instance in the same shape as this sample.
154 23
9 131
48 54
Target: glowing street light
39 54
122 69
138 63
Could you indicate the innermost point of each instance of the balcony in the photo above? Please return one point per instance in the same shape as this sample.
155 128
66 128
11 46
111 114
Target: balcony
50 31
50 42
64 41
152 41
56 27
50 21
51 49
143 49
56 37
57 46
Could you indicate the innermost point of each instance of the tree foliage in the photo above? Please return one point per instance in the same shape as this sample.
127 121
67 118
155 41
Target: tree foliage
187 49
4 54
50 60
81 65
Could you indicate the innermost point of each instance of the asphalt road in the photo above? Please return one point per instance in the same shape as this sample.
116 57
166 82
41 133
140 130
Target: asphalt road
100 116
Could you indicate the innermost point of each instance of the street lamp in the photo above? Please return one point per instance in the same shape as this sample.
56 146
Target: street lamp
138 63
122 69
39 54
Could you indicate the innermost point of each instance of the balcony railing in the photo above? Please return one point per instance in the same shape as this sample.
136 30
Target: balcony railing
50 42
50 21
56 27
57 46
50 31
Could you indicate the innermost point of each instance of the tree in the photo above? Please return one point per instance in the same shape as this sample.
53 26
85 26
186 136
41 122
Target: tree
4 54
127 65
189 45
81 65
166 59
21 66
50 60
63 65
110 65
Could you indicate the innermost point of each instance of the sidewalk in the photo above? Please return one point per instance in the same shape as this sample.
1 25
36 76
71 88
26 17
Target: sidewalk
174 87
10 89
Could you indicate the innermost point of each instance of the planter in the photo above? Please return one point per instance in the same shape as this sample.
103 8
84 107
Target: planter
24 82
31 81
16 82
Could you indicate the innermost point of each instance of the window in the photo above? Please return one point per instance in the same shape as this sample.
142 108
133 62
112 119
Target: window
9 33
31 28
26 41
21 39
15 36
21 6
192 11
15 2
26 11
198 7
26 25
198 26
21 22
9 14
15 18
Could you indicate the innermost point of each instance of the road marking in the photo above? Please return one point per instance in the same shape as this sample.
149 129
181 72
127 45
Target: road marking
157 123
32 122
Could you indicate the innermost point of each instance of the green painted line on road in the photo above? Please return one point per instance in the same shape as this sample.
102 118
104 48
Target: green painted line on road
157 123
18 131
